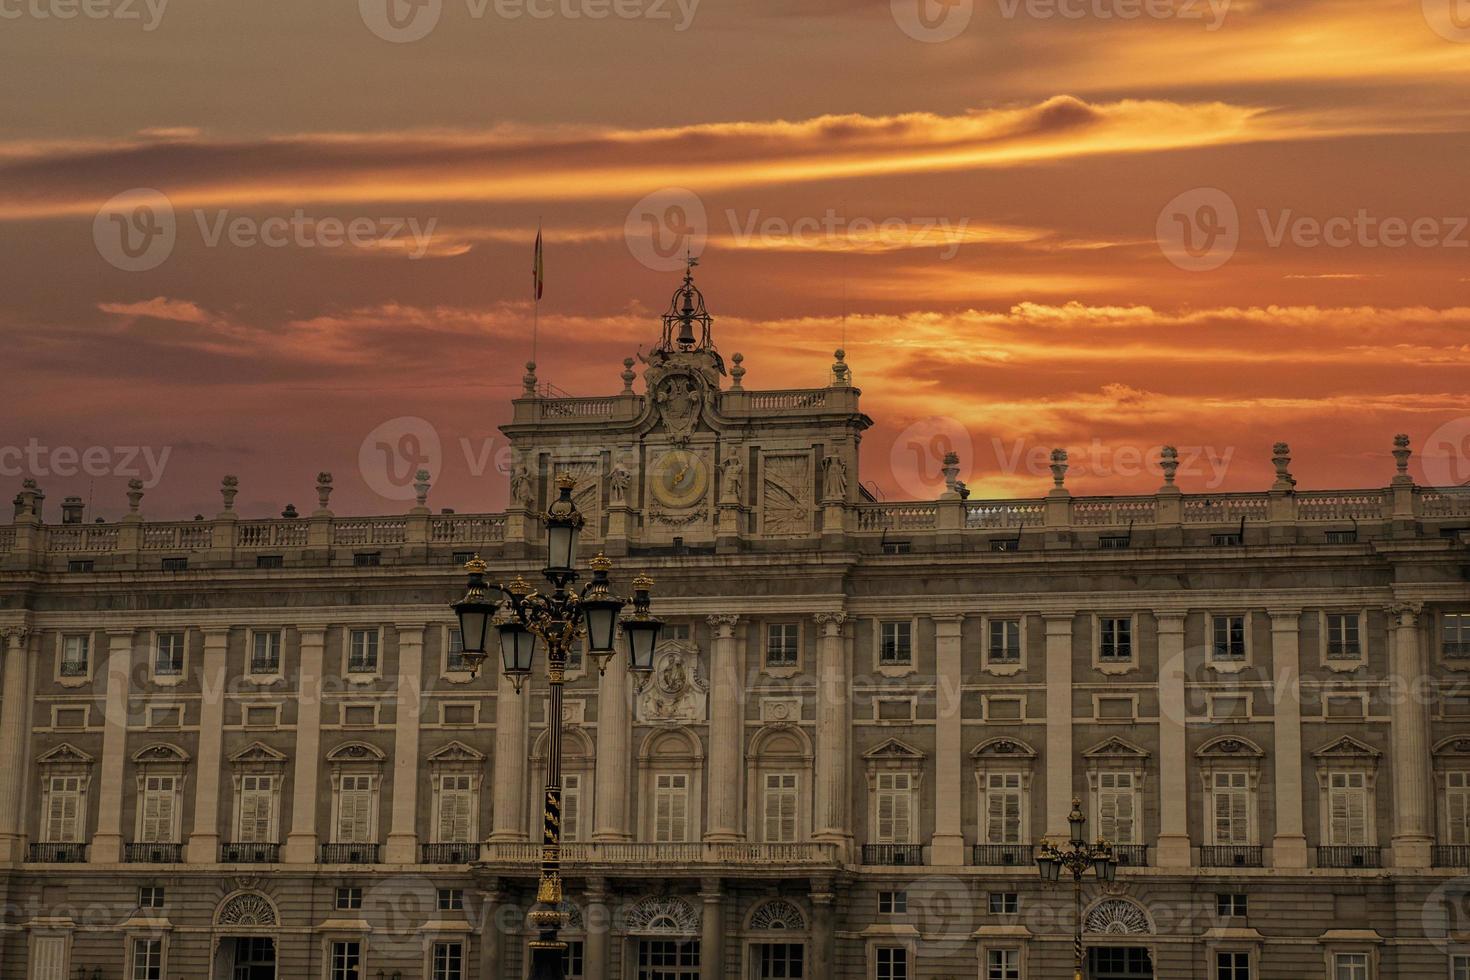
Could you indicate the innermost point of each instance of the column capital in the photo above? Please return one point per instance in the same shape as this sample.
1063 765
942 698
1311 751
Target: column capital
406 630
711 890
1404 614
122 631
215 631
1285 620
1058 623
595 889
1170 620
833 620
15 631
724 623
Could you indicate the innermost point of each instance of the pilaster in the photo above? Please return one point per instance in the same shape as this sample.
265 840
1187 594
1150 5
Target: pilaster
1058 725
1289 846
948 845
614 736
726 731
1413 842
595 916
834 733
1173 845
204 838
508 818
107 842
403 841
14 734
712 935
301 841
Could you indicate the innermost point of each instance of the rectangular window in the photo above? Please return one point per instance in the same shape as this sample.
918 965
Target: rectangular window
81 565
63 811
160 803
1350 966
367 559
1113 542
456 806
257 810
675 631
781 961
1116 807
571 806
451 900
168 658
174 565
448 961
1232 965
346 960
1232 807
349 898
355 810
1347 802
1003 903
270 561
1227 638
1457 808
1456 630
265 654
1005 641
781 644
74 653
780 805
896 642
897 547
572 961
1115 636
895 808
670 807
150 897
892 962
147 959
1230 905
362 652
1003 964
1003 808
1342 637
1460 967
454 658
893 903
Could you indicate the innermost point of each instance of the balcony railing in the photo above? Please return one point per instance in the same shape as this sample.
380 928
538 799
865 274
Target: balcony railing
57 853
153 853
751 859
249 853
456 853
893 854
73 668
1230 856
1131 855
348 853
362 665
265 665
1348 856
1451 855
1003 855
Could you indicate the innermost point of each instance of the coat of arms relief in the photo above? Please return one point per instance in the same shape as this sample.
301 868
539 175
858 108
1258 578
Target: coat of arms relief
677 690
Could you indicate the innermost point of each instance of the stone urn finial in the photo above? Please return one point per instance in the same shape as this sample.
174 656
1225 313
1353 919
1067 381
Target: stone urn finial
135 495
1401 454
841 373
1169 463
421 488
323 489
628 376
290 512
951 471
228 487
528 381
1059 468
1281 459
737 373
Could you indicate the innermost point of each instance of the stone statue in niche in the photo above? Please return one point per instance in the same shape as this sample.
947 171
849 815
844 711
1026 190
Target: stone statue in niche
677 690
834 478
732 478
522 493
618 482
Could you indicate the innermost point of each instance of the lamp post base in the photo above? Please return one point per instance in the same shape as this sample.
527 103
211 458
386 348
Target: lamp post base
547 961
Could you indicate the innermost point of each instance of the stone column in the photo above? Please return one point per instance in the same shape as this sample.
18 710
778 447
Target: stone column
107 842
614 737
726 732
204 838
1059 785
1289 846
948 845
712 933
403 839
302 840
597 920
1173 846
14 734
823 930
491 941
1413 838
834 733
508 816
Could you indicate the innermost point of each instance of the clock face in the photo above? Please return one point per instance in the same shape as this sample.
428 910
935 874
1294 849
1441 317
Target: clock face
679 478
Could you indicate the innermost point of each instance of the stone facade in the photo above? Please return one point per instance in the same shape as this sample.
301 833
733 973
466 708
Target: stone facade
244 749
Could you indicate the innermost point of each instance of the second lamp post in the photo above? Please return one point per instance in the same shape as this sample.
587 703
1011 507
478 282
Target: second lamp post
529 621
1076 857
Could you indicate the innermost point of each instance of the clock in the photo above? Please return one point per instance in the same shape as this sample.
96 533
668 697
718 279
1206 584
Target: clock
679 478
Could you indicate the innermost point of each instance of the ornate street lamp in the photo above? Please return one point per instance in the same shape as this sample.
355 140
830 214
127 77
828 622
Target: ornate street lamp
1076 857
527 623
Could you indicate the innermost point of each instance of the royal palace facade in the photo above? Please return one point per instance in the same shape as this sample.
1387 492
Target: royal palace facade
240 749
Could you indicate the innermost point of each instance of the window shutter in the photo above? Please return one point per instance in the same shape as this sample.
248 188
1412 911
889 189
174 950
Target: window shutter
780 805
456 803
257 799
158 810
64 811
354 823
1457 802
671 808
571 806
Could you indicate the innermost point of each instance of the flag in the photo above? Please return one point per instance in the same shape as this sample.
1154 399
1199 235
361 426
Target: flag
536 273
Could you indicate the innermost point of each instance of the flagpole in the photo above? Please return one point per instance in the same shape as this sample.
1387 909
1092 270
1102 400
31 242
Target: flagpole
536 293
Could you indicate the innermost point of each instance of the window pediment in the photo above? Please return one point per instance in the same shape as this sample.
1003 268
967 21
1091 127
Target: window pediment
1116 750
356 752
1452 747
258 755
161 755
1003 749
893 750
1348 750
455 754
1230 748
65 755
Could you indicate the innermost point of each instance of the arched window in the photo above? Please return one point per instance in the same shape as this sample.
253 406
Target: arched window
779 785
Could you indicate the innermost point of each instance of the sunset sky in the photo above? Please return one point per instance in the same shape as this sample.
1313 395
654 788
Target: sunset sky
981 199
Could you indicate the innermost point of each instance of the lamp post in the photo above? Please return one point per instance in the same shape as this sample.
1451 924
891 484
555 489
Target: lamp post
527 622
1076 857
